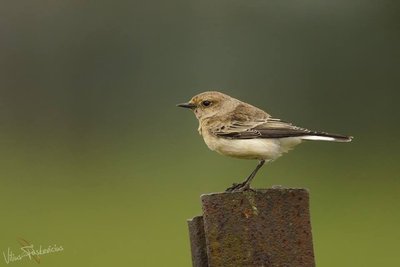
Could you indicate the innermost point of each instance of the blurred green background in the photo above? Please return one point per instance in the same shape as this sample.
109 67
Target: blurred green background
95 156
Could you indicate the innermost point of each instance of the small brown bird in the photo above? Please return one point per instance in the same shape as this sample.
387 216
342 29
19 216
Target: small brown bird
237 129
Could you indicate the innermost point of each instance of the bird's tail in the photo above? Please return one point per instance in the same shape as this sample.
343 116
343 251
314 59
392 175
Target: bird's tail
321 136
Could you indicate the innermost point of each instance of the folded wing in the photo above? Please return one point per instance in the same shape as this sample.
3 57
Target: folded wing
273 128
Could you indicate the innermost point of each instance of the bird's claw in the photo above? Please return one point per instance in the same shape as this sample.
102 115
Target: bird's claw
231 188
238 187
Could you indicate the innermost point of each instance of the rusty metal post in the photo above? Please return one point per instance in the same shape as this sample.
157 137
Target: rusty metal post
198 242
268 227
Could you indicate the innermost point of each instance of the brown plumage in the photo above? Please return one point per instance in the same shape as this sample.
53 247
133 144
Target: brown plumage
237 129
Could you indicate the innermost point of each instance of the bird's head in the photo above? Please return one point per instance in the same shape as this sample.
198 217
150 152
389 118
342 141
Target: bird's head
209 104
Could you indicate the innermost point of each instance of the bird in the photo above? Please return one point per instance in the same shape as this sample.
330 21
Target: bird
237 129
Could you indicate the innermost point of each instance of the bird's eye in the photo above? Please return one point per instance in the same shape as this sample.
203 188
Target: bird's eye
206 103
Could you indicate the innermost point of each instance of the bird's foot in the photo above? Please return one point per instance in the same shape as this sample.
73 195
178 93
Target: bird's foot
238 187
233 187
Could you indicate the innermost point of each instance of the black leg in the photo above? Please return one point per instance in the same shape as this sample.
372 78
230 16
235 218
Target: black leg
246 183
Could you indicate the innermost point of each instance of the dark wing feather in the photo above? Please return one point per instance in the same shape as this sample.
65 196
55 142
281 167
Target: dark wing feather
268 128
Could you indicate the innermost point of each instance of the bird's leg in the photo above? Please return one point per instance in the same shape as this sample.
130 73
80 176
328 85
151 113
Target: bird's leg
246 183
253 174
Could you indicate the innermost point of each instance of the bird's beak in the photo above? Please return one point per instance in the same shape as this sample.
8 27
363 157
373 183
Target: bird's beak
186 105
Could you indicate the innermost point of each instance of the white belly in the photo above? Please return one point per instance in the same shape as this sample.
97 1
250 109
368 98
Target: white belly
267 149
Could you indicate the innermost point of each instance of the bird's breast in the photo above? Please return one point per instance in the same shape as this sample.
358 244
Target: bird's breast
268 149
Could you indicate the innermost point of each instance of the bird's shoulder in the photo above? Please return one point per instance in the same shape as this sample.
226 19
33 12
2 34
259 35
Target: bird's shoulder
247 112
243 117
241 113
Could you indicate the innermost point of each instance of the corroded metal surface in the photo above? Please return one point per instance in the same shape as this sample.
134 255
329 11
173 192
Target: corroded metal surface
258 228
198 242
